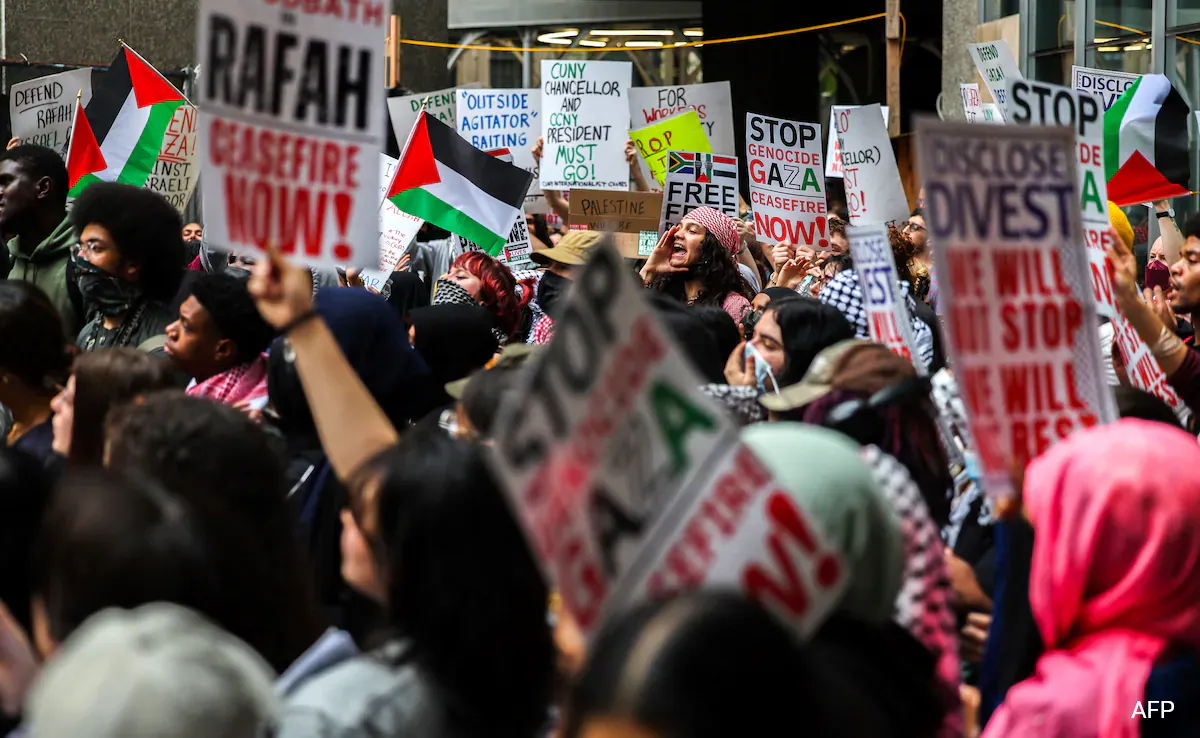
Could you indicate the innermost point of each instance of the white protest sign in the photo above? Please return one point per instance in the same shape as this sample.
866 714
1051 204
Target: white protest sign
833 152
874 193
614 460
996 65
1015 289
504 119
516 253
441 104
43 109
886 309
972 103
585 123
1106 85
176 171
696 180
397 229
992 113
787 187
292 136
712 101
1041 104
1142 368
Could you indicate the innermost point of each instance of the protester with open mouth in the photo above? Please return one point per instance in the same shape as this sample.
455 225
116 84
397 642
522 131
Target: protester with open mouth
694 263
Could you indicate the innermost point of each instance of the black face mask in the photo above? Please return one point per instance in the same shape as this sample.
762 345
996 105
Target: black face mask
110 296
551 293
238 273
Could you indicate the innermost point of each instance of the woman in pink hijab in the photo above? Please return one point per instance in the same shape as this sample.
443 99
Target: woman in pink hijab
1114 586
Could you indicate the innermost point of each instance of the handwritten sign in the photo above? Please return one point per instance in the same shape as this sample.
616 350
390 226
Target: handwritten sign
441 104
712 102
516 254
887 311
43 109
629 483
503 119
833 153
696 180
681 132
787 191
292 137
1041 104
175 172
992 113
1105 84
619 212
996 65
971 102
874 193
585 118
397 229
1015 288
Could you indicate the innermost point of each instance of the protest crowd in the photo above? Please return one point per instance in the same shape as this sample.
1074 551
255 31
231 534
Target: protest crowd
582 440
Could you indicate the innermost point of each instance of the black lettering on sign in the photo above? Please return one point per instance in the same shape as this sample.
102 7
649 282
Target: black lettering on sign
258 68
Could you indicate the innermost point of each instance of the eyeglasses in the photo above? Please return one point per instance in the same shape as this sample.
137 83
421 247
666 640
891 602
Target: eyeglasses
914 227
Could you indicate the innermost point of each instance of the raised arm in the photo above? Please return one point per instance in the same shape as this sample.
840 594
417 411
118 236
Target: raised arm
352 428
554 198
1168 350
1172 237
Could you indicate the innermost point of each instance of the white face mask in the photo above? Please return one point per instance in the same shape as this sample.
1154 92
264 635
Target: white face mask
762 370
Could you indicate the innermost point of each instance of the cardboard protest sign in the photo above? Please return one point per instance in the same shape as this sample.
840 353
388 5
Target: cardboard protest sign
874 193
787 190
712 102
516 253
585 118
441 104
397 229
695 180
996 65
681 132
1015 288
615 462
42 109
1106 85
971 102
504 119
1041 104
620 212
292 138
833 153
176 171
887 312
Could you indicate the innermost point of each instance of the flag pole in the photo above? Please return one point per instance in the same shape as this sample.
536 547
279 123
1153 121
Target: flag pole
74 120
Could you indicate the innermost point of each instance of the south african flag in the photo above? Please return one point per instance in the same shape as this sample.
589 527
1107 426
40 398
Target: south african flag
704 167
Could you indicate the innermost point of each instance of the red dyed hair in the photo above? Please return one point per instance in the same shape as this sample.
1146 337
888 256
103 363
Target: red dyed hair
498 289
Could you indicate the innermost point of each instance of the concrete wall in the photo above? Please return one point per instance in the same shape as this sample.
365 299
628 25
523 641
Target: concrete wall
959 19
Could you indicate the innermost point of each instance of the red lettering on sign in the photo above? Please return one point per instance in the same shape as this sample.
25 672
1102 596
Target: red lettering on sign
788 524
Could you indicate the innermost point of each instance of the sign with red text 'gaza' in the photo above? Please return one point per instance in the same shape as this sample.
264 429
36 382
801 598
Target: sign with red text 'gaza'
787 185
292 125
1015 289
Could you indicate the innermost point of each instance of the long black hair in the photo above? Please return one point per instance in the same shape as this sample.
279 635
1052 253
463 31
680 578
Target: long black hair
462 584
807 328
716 269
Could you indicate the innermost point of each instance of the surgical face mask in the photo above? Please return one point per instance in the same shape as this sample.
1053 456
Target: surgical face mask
111 296
762 370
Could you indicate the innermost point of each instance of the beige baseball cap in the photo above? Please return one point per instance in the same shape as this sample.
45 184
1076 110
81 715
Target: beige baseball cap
573 249
817 382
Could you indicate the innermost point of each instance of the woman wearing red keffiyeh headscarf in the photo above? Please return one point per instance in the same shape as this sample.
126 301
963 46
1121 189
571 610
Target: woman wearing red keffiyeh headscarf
694 262
219 340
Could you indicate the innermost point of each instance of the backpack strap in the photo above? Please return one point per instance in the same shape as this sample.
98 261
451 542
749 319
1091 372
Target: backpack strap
152 344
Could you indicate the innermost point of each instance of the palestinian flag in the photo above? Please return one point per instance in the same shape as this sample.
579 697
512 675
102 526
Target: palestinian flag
1146 143
442 178
84 156
131 107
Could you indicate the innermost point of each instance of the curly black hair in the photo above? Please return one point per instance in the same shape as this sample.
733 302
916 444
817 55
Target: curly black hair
717 270
146 230
228 302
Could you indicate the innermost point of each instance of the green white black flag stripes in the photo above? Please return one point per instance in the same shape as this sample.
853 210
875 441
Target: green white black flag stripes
450 183
131 108
1146 143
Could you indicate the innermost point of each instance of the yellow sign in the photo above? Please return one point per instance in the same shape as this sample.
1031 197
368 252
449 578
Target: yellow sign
683 132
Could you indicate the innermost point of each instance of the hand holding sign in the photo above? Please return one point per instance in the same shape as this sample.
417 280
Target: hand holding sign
781 253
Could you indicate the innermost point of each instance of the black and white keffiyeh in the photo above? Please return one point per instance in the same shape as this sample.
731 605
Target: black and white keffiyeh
448 292
844 292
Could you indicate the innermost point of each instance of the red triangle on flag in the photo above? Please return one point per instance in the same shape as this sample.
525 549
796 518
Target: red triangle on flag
84 156
417 166
149 87
1137 181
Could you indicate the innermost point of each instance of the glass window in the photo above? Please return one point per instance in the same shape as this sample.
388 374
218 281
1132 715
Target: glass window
1053 67
1116 18
995 9
1124 56
1183 13
1183 68
1054 25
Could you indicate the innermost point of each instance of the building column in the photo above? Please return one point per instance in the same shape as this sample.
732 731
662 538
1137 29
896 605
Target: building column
423 68
959 19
